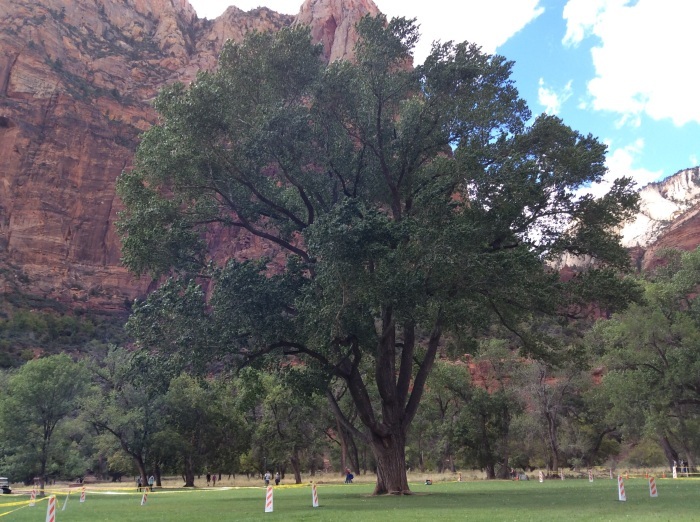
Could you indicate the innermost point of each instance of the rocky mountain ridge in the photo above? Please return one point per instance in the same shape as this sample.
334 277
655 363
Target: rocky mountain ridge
668 217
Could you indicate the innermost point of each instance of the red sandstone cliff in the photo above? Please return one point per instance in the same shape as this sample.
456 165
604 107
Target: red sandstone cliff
76 81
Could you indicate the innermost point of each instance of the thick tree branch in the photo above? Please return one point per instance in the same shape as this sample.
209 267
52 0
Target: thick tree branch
423 372
340 416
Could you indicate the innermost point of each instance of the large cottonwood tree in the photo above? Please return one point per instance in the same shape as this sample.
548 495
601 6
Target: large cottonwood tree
409 202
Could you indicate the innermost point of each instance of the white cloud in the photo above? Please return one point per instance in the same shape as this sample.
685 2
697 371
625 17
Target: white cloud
644 59
621 162
581 17
488 24
553 100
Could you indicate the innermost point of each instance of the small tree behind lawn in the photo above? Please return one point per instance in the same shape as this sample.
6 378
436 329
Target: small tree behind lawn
36 401
408 203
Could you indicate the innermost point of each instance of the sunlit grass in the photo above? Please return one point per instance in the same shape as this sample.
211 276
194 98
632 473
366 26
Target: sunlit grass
575 499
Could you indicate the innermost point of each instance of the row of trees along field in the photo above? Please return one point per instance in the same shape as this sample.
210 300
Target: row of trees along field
130 412
412 214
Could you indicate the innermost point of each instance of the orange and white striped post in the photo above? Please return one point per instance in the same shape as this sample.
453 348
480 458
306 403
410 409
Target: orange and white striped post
675 472
653 493
314 496
268 500
51 509
590 475
611 477
541 476
32 498
144 498
82 495
621 489
561 474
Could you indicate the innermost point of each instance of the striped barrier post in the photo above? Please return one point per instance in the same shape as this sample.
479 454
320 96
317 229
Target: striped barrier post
675 472
268 500
590 475
32 498
621 489
541 476
82 495
51 509
144 498
314 496
653 493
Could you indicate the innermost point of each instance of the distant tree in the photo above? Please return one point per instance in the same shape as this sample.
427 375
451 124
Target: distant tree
652 387
404 203
433 441
128 404
37 399
290 423
201 424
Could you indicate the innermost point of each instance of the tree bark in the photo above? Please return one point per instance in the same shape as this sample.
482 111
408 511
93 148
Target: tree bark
552 441
390 454
669 451
142 470
189 472
296 466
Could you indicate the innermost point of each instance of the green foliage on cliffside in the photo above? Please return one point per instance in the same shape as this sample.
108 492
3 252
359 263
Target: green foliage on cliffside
30 327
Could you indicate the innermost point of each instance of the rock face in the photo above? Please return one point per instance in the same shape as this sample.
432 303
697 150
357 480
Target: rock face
76 81
669 217
333 24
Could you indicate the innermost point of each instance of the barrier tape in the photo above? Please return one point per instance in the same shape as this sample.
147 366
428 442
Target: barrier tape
22 504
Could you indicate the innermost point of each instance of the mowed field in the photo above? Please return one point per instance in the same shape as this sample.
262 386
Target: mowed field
574 499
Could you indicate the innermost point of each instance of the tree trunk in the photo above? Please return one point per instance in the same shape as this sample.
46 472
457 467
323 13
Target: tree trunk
294 460
552 440
390 454
400 391
142 470
343 447
42 475
669 451
189 472
158 477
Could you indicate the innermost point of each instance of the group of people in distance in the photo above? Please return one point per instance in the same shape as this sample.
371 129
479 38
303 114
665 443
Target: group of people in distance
268 477
151 481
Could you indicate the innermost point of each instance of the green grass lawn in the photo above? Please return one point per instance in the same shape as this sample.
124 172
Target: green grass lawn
478 500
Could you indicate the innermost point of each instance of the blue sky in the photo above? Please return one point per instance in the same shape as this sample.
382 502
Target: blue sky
622 70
